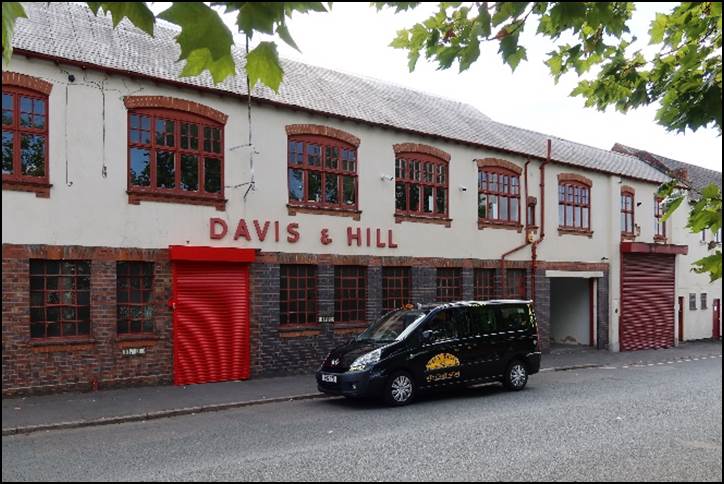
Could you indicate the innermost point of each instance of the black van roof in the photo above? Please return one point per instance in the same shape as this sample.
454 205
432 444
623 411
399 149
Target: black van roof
430 306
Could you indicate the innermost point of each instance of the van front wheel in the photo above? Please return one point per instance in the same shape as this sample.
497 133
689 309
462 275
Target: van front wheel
516 376
400 389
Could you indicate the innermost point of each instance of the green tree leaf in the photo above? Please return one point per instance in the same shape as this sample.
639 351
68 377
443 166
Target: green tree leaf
11 12
262 64
137 12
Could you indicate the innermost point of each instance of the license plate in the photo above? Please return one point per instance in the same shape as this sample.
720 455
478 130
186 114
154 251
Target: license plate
329 378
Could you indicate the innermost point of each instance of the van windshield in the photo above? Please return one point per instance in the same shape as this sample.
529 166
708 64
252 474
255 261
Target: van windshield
391 326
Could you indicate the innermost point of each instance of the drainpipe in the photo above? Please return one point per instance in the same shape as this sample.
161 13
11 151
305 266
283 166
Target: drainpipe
534 249
525 244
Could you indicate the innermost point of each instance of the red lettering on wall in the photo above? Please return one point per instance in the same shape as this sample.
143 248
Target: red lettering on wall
259 232
215 223
242 231
390 243
354 236
276 231
293 231
324 237
380 244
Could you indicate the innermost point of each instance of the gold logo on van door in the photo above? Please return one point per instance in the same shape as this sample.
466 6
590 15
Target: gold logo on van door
442 361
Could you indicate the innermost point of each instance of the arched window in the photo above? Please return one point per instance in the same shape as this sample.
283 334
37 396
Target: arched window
628 195
175 152
421 181
574 203
25 133
498 192
322 168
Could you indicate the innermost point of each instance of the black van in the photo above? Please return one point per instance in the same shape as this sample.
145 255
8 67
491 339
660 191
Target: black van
436 346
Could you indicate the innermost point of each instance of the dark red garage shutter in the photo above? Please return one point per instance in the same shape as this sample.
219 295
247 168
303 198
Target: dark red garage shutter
647 301
211 320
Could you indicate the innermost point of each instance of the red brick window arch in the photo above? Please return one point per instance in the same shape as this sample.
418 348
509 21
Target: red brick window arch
498 192
421 181
175 151
322 168
25 133
574 202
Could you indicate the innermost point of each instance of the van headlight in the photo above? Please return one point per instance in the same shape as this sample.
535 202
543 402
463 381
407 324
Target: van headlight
365 361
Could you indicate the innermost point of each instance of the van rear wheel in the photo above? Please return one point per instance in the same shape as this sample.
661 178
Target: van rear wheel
400 389
516 376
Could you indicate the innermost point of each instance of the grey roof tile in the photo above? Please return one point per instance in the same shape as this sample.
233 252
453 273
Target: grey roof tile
698 176
71 31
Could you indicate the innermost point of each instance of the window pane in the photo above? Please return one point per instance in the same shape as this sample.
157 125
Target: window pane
514 210
331 157
493 207
165 169
32 154
415 198
561 216
482 205
314 186
331 189
189 172
7 152
577 216
482 181
442 174
164 132
8 103
493 182
314 155
400 197
140 167
503 208
585 223
296 185
441 206
212 175
26 110
428 202
350 195
569 215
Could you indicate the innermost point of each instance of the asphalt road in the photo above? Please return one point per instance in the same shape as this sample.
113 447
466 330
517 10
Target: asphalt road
650 423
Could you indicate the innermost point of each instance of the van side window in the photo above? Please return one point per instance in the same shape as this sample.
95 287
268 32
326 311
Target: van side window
444 325
482 320
513 318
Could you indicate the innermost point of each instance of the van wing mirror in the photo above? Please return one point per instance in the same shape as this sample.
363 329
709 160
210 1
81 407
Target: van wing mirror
427 336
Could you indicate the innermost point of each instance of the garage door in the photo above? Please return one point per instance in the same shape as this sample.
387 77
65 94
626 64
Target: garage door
647 301
211 321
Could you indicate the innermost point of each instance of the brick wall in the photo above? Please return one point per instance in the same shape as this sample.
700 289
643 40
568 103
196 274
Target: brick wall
41 367
96 361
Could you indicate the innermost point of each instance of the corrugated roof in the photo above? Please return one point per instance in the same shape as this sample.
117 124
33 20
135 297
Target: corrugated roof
73 32
698 176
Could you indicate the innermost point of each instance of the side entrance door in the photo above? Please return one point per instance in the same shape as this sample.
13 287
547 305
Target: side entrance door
211 317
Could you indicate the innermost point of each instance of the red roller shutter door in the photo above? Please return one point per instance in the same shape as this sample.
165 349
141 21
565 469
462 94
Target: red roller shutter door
211 322
647 301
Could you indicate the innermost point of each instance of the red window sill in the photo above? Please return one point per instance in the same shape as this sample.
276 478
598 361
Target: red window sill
574 231
40 188
294 209
309 331
60 345
136 197
406 217
136 340
482 224
660 239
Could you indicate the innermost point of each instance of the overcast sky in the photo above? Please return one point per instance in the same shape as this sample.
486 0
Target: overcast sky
355 38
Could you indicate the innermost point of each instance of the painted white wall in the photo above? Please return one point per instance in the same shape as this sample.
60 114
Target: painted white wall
93 210
570 306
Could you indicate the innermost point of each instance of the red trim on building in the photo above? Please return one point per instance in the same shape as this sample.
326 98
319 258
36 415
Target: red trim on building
421 148
210 254
646 248
28 82
320 130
